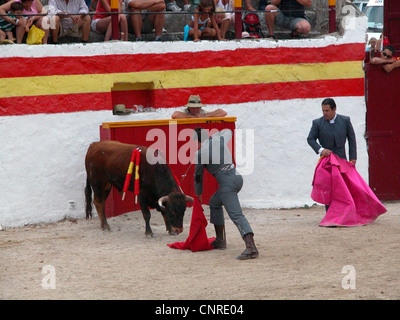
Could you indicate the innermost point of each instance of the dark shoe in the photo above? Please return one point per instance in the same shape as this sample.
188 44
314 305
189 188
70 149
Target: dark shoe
220 240
294 35
251 251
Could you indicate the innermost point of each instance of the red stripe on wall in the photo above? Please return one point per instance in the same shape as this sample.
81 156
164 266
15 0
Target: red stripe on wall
30 67
169 98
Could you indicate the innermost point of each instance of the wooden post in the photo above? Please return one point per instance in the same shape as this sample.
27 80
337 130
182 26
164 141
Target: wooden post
238 19
114 20
332 16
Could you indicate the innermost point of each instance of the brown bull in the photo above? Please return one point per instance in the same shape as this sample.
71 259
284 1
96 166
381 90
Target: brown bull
106 165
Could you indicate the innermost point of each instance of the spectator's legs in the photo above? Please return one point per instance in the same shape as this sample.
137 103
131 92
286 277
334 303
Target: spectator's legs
123 27
136 20
158 22
302 27
104 26
40 23
249 7
270 18
208 33
2 35
20 30
55 28
85 28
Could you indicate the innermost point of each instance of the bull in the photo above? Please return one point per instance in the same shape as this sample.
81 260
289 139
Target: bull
106 165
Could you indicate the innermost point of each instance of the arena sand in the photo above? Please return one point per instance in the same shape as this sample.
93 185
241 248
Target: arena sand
298 260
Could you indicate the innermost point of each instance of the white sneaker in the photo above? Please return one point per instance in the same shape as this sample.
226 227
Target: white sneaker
172 6
186 7
163 30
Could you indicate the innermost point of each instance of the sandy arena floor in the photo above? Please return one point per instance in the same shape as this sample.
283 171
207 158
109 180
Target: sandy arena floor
298 260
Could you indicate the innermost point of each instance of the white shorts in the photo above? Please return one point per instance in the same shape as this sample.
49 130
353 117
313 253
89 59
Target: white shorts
93 25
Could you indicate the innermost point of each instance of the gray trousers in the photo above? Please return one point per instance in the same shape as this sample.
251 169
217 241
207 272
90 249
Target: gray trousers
230 184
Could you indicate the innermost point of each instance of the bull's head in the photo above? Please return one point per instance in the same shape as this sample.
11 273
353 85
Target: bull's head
174 206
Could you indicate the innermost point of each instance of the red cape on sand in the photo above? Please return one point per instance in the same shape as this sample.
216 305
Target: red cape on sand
351 201
197 239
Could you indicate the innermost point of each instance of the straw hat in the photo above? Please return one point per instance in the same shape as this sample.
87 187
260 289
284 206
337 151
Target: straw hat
120 109
194 102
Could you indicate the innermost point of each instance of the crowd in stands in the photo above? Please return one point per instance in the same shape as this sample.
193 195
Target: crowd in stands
210 19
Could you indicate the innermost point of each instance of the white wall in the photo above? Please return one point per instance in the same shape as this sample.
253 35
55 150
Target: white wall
42 156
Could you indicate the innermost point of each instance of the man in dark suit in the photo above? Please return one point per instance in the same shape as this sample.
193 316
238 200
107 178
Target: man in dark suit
332 130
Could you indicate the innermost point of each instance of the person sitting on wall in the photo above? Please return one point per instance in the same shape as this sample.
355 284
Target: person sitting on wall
194 110
290 15
390 62
147 22
101 21
372 47
228 21
74 19
7 27
31 8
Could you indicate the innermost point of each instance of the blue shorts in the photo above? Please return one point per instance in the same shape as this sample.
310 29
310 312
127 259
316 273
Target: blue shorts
186 32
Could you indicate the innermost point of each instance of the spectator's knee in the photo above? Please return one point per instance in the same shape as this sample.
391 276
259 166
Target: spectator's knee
304 28
269 8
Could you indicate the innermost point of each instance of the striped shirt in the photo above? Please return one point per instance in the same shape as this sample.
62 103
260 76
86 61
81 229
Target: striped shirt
5 25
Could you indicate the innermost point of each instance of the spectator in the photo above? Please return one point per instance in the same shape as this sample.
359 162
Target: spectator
229 19
371 47
197 27
6 27
102 22
148 22
390 62
30 8
290 15
194 109
70 23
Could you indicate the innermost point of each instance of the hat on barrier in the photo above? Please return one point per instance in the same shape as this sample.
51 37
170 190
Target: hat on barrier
120 109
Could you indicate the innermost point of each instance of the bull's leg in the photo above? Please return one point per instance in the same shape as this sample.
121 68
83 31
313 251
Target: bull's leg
100 206
146 215
101 193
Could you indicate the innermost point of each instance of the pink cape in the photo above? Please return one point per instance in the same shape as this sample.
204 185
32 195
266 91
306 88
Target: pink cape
197 239
351 201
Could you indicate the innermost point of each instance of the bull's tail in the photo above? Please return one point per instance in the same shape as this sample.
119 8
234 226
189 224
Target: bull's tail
88 197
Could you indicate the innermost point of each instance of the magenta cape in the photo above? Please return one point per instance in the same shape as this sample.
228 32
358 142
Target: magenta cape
351 201
197 239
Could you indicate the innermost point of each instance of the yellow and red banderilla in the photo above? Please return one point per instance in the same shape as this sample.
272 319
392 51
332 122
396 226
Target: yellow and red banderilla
135 161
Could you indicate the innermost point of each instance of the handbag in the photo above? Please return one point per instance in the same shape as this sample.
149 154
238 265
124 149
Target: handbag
35 35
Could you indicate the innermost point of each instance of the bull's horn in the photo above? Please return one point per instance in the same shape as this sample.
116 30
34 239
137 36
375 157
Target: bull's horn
161 200
189 198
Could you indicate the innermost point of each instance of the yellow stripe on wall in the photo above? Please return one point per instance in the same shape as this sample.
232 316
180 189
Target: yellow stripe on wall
215 76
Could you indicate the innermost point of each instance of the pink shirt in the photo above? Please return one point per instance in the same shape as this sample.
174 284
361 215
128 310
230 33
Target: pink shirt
32 9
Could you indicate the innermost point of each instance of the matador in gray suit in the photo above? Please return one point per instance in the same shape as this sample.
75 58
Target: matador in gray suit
214 156
332 130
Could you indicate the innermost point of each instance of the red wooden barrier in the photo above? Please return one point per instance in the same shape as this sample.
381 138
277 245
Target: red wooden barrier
383 131
135 132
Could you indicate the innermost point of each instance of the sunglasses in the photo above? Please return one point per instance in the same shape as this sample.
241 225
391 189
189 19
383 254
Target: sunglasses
386 55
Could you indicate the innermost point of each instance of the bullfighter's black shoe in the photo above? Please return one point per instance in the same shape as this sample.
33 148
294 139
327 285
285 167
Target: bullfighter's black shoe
220 240
251 251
